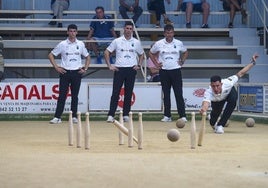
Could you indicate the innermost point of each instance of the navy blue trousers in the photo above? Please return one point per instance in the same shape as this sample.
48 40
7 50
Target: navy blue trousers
172 78
217 107
126 76
70 79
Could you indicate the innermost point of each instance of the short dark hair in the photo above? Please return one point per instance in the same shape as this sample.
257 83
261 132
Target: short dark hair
168 27
215 78
99 7
72 26
129 23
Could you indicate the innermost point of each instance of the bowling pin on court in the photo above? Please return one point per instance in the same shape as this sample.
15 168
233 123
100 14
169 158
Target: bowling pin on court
120 134
140 132
87 132
78 130
70 129
130 130
193 131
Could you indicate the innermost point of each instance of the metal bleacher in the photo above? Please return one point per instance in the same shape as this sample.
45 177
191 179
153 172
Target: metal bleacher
27 42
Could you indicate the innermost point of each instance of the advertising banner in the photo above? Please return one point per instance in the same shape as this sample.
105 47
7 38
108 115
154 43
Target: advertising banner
193 97
251 98
36 97
144 97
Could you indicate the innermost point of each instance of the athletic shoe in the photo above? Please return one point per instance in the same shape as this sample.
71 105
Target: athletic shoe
55 121
110 119
52 22
59 25
126 119
75 120
219 129
230 25
157 25
188 25
166 119
184 119
204 26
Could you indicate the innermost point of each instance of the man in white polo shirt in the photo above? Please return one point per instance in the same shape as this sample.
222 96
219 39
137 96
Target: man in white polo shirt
222 92
168 55
129 58
70 70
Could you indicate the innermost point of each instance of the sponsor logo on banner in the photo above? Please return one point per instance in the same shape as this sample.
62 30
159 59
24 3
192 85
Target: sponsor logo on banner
122 97
34 97
199 92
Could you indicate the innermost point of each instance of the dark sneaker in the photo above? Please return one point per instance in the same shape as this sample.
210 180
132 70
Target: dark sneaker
52 23
59 25
204 26
188 25
230 25
157 25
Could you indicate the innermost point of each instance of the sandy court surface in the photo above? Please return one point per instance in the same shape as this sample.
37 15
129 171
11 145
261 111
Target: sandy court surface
37 155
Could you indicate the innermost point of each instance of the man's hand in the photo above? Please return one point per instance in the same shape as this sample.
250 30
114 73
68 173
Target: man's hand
60 70
113 68
254 58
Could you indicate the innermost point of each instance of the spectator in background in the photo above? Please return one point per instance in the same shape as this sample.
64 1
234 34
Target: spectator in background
233 6
188 6
169 55
100 30
130 6
158 7
129 58
70 71
154 71
58 6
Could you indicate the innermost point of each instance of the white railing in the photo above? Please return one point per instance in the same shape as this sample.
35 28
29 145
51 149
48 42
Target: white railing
263 18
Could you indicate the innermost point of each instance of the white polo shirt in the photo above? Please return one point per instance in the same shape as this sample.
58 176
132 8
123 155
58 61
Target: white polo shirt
127 51
227 85
70 54
169 53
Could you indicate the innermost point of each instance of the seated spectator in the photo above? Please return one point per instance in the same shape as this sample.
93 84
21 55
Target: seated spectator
154 71
58 6
188 6
233 6
102 31
130 6
158 7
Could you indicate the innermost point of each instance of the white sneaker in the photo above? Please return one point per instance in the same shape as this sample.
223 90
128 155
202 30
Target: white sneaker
110 119
55 121
219 129
75 120
184 119
166 119
126 119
